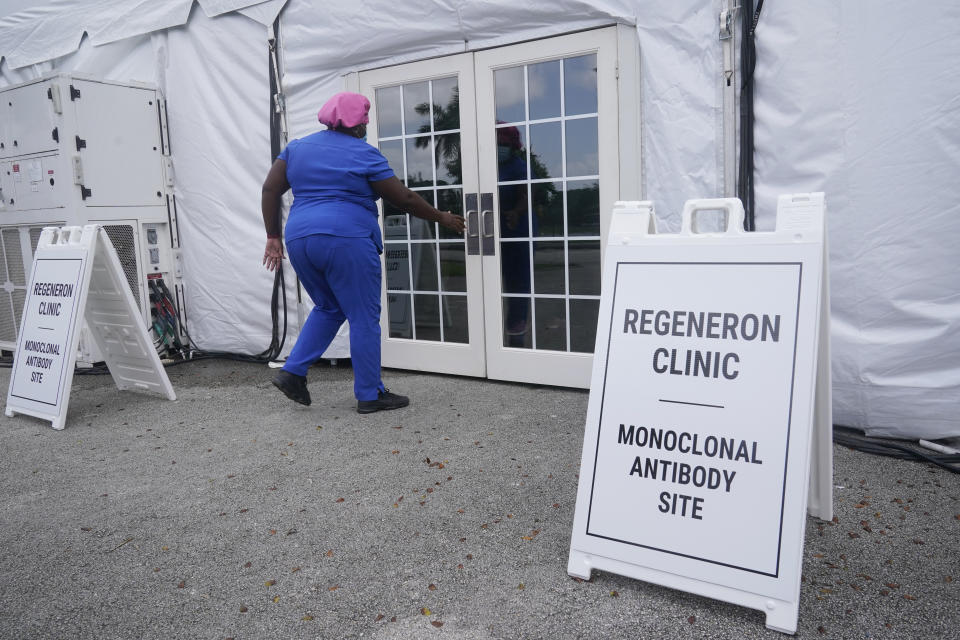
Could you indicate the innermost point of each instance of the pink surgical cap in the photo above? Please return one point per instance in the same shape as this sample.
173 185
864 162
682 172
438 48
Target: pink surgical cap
345 109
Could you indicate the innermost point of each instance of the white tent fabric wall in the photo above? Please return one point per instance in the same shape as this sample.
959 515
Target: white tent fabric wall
860 102
221 153
863 103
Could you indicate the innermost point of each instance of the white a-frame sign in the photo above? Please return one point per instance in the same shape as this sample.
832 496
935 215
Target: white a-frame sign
710 390
77 276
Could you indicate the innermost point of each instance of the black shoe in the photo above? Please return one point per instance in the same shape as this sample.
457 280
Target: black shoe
385 401
293 386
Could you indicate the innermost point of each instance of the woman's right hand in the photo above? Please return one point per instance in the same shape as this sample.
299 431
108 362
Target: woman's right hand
273 254
452 222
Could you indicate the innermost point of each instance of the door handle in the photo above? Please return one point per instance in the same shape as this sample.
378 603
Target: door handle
486 218
473 225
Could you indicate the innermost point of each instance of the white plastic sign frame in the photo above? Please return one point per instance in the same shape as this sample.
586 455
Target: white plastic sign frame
696 455
76 275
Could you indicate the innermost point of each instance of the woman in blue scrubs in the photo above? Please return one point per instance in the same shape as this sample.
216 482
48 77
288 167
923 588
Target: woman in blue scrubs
334 241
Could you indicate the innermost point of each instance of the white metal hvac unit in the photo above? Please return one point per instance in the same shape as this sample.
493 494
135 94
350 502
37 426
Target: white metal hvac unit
77 150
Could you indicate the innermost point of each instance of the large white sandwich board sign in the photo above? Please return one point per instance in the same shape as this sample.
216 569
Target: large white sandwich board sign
697 448
77 276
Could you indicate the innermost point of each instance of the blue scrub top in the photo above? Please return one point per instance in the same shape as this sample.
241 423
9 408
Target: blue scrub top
330 174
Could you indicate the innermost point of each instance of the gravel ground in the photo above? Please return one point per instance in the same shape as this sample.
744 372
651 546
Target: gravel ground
234 513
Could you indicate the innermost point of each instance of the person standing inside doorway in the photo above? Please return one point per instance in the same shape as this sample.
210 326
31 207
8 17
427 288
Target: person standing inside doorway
334 241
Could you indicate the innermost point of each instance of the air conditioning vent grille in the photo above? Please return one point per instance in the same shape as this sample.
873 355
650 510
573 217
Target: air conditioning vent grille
121 236
11 303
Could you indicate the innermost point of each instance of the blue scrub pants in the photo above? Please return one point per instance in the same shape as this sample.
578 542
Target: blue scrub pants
342 276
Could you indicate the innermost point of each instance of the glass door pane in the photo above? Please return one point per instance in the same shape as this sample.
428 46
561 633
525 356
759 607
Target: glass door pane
418 130
549 224
548 147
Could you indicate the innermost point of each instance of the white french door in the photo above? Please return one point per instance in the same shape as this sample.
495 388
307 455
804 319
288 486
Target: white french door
523 141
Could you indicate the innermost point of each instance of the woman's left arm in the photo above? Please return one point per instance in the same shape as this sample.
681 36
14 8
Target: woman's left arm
273 189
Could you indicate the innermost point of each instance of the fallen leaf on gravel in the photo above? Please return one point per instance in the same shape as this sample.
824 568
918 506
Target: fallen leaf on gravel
436 623
270 583
521 586
614 594
164 548
378 618
460 566
339 500
276 599
273 532
307 618
334 587
329 554
948 578
85 529
853 535
394 618
432 587
469 556
181 584
295 569
243 609
248 565
244 510
425 611
821 629
892 585
884 592
692 619
395 451
909 597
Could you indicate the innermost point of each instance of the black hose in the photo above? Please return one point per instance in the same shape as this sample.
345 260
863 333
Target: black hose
892 448
748 62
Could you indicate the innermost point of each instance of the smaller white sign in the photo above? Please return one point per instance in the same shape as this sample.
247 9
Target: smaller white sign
46 336
76 276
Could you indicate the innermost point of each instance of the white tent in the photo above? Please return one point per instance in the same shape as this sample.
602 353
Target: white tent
858 100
